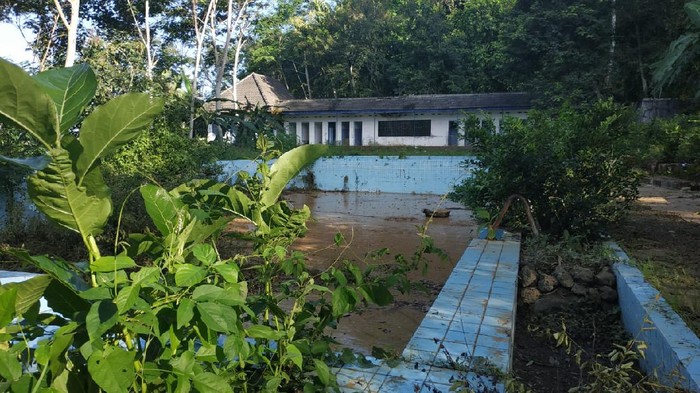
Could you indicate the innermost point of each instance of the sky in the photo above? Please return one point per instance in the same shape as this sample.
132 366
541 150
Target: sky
13 47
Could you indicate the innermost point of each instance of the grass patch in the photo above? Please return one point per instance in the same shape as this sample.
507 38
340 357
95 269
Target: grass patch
680 289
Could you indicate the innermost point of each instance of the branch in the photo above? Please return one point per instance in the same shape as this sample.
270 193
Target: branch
59 8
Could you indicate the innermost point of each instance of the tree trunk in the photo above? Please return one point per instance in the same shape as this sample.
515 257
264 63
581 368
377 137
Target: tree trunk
71 27
145 35
613 43
199 37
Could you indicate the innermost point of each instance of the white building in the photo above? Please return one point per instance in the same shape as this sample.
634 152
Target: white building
415 120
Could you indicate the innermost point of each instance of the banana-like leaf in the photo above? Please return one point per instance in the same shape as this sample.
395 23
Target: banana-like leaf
287 167
667 69
112 125
70 89
55 193
32 163
25 105
29 292
693 10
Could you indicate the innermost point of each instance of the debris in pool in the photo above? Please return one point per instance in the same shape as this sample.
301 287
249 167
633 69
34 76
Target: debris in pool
440 213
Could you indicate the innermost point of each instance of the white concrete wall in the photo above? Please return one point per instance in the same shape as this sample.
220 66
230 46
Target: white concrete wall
439 128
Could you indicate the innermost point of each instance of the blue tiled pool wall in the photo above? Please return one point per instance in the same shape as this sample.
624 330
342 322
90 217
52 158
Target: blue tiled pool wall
417 175
673 350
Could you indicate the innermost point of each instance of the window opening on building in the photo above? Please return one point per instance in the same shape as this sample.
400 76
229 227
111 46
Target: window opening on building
318 132
331 133
358 133
388 128
305 133
345 133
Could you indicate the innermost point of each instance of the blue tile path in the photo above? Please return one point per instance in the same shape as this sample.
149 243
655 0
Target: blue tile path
467 335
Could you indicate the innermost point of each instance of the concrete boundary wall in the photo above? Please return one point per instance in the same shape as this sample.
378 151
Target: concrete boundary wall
392 174
673 353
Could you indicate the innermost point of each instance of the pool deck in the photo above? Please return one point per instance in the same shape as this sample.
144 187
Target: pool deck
467 335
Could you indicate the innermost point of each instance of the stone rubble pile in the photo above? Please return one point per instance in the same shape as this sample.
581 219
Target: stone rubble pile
549 291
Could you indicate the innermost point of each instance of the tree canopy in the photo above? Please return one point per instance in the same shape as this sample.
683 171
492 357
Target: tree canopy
560 51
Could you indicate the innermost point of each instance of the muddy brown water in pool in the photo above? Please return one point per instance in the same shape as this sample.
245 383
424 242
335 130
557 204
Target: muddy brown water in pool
371 221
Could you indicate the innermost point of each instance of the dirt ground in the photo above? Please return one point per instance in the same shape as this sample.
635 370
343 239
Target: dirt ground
368 222
663 233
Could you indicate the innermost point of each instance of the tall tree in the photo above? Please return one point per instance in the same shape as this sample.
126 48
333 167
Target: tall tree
71 23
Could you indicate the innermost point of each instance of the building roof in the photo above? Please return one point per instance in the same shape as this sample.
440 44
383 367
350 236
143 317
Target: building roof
259 90
408 104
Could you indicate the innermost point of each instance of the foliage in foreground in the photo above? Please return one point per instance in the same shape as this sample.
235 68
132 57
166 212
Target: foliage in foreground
571 166
182 318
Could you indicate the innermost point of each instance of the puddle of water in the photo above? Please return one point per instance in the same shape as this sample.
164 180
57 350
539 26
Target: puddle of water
370 221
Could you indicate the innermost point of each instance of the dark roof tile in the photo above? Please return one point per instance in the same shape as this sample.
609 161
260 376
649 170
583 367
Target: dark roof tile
412 103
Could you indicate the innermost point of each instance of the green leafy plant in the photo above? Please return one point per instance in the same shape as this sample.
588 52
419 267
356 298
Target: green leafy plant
614 371
165 311
573 167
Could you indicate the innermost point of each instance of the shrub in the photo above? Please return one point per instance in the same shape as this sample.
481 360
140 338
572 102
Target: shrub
571 165
675 140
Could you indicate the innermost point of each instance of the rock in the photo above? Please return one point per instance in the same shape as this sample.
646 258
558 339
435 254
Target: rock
606 277
563 276
550 303
594 294
547 283
582 274
530 295
608 294
578 289
528 276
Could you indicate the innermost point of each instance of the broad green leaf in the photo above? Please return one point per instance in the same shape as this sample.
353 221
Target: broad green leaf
218 317
343 301
184 363
113 369
56 194
145 276
185 312
62 340
263 331
101 317
161 207
229 271
10 368
29 292
97 293
32 163
126 298
209 382
70 88
62 299
188 275
8 298
58 269
212 293
323 372
112 125
380 295
294 354
112 279
112 263
205 253
287 167
24 104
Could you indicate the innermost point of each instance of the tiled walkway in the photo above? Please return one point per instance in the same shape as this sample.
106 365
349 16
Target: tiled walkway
466 336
